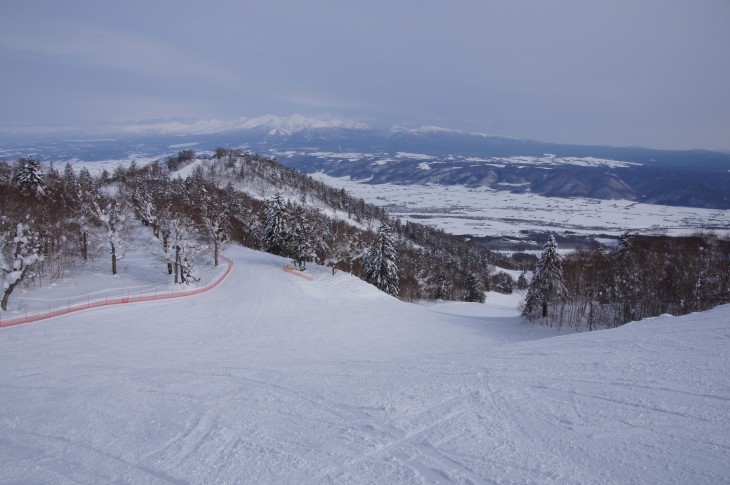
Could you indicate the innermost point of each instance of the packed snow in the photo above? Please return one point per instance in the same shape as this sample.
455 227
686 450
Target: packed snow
271 378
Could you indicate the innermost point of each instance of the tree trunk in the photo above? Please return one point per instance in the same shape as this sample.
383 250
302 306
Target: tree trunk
215 252
49 258
177 264
114 259
166 246
84 246
9 290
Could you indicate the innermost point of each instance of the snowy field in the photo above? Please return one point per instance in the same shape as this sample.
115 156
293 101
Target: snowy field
481 211
272 378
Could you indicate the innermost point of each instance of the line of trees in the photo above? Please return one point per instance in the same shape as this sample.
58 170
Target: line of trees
643 277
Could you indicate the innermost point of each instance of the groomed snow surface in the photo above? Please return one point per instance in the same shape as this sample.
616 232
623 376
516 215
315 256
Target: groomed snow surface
271 378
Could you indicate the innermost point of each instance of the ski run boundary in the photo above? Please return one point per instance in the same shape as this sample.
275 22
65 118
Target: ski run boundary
122 300
289 268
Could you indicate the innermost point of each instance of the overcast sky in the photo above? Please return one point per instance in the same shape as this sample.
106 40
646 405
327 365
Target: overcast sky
621 72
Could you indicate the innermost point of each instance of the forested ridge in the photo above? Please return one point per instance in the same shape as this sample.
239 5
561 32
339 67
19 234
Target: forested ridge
56 219
53 220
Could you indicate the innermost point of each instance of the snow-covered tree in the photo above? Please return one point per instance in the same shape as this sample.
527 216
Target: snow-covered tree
522 283
214 214
86 194
442 290
503 283
381 262
547 287
473 289
111 216
299 237
183 247
20 249
29 176
275 225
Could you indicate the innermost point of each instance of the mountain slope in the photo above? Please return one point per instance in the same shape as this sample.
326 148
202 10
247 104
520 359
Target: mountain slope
272 378
696 178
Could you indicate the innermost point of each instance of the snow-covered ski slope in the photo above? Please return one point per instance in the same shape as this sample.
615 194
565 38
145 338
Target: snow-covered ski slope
272 378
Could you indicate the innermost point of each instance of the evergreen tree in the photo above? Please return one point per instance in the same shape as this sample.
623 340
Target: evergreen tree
299 237
623 290
522 283
442 291
29 177
503 283
547 287
381 266
473 288
275 226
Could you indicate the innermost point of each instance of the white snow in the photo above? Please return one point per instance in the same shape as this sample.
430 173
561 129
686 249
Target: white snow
276 379
296 123
548 160
423 130
184 145
483 211
417 156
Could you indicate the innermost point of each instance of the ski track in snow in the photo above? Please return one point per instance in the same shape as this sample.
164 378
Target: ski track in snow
274 379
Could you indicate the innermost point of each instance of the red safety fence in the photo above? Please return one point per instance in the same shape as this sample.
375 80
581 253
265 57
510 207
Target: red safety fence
289 268
121 300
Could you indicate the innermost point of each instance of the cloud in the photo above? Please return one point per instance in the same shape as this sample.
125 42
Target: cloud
572 70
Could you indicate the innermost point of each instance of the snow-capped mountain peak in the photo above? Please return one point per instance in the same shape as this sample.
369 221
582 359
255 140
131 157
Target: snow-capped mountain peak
423 130
274 125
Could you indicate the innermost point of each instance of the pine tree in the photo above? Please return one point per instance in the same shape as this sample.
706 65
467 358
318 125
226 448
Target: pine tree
522 283
623 290
299 237
547 287
442 291
275 226
381 266
474 290
503 283
29 177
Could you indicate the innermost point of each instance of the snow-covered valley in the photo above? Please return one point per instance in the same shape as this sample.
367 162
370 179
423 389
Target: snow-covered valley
482 211
271 378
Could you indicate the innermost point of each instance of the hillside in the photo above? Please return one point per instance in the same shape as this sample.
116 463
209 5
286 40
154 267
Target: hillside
276 379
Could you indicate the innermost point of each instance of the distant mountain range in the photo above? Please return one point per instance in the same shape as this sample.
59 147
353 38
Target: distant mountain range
695 178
